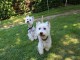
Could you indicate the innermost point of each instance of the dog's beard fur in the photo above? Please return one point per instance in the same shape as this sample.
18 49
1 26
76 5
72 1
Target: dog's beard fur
43 37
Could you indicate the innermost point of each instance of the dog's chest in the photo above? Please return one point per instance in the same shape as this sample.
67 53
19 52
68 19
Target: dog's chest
45 43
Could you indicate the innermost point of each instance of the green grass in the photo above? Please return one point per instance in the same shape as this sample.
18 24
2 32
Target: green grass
65 32
15 45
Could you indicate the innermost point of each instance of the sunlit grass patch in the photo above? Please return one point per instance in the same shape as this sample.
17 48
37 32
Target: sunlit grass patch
53 56
69 40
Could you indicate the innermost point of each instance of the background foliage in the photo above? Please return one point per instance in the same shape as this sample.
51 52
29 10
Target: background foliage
9 8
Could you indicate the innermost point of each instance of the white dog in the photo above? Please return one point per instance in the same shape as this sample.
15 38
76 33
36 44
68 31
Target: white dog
31 29
43 33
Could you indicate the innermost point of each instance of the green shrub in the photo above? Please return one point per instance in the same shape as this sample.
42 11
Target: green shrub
15 7
5 9
74 2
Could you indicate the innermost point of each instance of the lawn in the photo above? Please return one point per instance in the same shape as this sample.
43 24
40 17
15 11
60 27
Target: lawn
65 32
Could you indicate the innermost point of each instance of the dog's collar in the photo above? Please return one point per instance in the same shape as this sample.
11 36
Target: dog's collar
45 38
30 27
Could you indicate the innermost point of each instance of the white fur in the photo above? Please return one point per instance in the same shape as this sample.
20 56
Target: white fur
31 32
40 28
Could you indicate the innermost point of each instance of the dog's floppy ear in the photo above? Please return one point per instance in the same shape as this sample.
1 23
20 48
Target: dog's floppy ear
48 24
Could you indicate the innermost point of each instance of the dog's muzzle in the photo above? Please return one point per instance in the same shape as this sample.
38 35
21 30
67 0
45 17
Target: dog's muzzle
27 21
42 36
45 38
41 33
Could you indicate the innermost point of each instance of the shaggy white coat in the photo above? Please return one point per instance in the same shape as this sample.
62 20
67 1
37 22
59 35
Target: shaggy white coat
44 37
31 29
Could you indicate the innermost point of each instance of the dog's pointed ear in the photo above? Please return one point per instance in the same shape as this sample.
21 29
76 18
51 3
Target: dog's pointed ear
48 24
32 17
27 16
25 20
37 23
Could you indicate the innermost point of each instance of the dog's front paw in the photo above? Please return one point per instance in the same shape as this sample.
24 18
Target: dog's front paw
32 39
41 52
47 49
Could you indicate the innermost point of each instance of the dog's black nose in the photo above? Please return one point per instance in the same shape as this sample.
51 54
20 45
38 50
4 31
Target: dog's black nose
27 21
41 33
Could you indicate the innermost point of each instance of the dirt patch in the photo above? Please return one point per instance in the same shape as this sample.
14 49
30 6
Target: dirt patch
62 14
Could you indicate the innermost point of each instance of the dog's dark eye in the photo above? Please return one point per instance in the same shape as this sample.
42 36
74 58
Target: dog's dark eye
39 28
30 19
44 28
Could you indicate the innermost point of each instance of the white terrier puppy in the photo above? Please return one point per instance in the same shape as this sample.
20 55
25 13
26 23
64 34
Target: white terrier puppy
31 29
43 33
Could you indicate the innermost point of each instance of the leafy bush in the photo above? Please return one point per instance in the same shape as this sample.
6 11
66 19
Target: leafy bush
5 9
73 1
8 8
13 7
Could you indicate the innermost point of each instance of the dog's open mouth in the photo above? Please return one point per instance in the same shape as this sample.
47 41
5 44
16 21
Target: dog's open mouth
43 37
